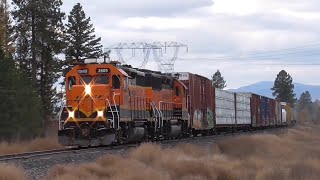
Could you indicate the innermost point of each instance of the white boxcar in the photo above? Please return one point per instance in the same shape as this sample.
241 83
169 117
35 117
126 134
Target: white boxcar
243 109
225 108
284 113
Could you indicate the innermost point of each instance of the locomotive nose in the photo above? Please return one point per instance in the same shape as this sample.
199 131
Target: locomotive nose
89 101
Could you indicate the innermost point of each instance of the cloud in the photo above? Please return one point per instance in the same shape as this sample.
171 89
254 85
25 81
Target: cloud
137 8
228 30
157 23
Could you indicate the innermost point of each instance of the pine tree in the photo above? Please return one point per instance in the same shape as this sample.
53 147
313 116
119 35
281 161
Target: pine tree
39 37
80 38
283 88
218 81
6 33
20 117
317 118
305 101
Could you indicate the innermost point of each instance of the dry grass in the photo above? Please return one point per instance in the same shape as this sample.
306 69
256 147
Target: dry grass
34 145
293 155
10 172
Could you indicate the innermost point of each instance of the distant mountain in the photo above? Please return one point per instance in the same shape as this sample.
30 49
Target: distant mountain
264 88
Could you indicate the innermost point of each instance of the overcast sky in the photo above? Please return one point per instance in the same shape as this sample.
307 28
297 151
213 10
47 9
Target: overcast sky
244 39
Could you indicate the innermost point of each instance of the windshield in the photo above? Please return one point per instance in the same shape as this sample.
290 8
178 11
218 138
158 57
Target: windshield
86 79
102 80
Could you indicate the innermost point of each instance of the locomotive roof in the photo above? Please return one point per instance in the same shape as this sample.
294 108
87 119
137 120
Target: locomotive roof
128 70
143 72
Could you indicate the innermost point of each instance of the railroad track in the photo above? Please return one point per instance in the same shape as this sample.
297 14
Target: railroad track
27 155
32 154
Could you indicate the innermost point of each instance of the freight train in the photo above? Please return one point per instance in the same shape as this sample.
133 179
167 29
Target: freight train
110 103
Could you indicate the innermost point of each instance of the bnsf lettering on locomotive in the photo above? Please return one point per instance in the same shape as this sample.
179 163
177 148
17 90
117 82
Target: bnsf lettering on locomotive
83 71
103 70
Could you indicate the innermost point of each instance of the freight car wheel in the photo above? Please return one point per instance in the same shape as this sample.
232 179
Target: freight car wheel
195 133
205 133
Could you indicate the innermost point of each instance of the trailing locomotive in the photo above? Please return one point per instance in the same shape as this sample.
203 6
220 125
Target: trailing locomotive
110 103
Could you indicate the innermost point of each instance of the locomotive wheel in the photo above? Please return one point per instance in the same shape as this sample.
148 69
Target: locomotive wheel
146 138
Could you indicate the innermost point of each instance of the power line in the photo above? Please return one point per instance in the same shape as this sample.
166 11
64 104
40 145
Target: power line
275 55
251 57
246 59
264 54
270 64
283 64
287 49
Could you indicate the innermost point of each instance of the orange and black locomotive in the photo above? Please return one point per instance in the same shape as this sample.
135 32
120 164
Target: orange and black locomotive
110 103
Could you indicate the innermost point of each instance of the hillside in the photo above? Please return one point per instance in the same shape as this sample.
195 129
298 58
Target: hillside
264 88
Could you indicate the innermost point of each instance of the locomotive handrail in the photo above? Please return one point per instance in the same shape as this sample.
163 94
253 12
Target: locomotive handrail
59 116
161 114
107 100
115 105
63 105
156 110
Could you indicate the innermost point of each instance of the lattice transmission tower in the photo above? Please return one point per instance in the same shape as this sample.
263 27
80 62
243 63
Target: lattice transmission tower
157 48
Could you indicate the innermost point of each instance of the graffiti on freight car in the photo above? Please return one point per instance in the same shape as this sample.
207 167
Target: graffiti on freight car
197 117
210 118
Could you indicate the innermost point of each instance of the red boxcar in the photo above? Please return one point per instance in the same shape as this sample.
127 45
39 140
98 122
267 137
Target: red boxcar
257 121
278 112
200 100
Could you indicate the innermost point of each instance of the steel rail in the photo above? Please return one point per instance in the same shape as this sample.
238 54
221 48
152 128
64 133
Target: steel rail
26 155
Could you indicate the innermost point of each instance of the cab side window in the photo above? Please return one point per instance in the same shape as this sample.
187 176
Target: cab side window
125 82
115 82
177 91
71 82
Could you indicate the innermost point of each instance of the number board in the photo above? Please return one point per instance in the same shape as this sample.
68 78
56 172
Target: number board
103 70
83 71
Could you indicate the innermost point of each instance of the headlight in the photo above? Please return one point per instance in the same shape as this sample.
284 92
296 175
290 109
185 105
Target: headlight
100 113
71 114
87 89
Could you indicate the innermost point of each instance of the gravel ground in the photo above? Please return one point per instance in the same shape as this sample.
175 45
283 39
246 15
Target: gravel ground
38 167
